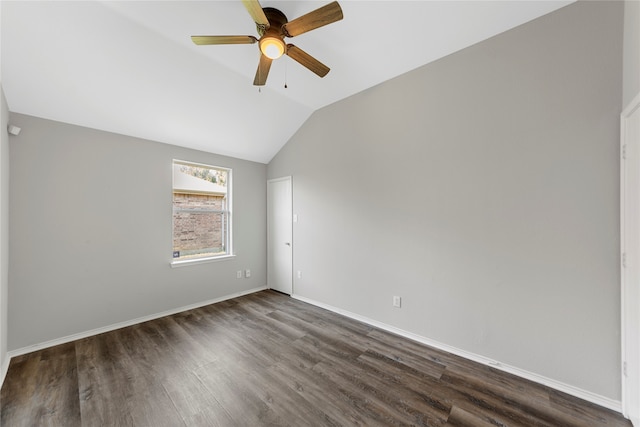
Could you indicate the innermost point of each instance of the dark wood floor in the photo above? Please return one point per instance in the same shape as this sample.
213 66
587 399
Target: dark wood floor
267 359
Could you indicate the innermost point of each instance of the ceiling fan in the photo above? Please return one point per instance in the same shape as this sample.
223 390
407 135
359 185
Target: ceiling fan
273 27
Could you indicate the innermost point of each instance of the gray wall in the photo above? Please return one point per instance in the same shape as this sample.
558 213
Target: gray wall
91 238
631 68
483 190
4 227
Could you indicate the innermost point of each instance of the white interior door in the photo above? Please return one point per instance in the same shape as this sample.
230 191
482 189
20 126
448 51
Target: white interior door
630 221
280 235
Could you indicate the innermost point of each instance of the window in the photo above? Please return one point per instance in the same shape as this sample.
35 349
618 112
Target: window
201 212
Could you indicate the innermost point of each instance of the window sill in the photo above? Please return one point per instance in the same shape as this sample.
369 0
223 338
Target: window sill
187 262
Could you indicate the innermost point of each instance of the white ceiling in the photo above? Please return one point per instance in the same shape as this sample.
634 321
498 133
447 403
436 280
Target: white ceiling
130 67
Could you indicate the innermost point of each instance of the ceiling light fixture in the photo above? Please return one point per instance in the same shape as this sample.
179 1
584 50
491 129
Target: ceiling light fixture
272 47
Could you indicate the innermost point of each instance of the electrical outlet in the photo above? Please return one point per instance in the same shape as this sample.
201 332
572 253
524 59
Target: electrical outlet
299 274
239 274
397 301
247 273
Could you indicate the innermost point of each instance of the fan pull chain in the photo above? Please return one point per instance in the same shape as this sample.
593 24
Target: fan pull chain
259 71
285 72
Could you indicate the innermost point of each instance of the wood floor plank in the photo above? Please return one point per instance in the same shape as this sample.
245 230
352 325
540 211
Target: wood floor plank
302 352
416 386
415 407
19 388
43 389
267 359
242 403
151 366
104 392
515 403
486 403
193 401
202 327
436 355
323 394
120 387
461 418
407 357
190 351
291 406
589 413
374 403
60 401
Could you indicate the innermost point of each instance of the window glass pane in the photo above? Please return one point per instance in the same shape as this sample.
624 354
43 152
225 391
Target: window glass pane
209 174
201 214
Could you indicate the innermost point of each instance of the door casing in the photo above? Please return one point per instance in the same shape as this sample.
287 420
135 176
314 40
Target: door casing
280 234
630 254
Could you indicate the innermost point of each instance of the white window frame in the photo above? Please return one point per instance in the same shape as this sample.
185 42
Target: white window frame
229 253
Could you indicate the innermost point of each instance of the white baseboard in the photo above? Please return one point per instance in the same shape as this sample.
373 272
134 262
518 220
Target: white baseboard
92 332
557 385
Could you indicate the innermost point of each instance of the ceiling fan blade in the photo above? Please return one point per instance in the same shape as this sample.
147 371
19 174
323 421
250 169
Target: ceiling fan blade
263 71
202 40
307 60
312 20
256 12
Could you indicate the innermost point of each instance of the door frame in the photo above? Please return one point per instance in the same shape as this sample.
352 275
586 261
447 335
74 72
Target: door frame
269 181
630 264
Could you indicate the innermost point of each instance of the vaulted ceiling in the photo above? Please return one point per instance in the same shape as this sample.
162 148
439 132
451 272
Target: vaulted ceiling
130 67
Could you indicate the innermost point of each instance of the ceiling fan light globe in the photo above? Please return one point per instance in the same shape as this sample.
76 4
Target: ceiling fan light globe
272 47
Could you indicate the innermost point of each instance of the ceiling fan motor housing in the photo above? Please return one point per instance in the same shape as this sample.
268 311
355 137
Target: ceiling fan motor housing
276 20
